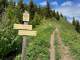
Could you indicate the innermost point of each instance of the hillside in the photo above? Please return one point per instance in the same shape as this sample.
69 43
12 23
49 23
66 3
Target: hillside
53 32
38 47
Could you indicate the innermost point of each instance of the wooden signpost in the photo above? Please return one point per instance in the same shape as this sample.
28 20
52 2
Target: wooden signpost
24 30
29 33
26 16
21 26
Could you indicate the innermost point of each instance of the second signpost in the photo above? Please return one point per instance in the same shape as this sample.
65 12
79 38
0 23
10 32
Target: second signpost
25 30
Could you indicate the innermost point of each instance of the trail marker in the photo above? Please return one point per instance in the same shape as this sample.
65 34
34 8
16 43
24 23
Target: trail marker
28 33
21 26
24 31
26 16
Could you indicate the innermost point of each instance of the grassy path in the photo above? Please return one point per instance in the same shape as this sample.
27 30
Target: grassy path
64 51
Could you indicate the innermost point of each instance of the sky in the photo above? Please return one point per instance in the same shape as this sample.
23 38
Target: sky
69 8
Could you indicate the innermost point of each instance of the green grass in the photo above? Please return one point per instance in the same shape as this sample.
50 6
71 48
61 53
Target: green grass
38 46
70 37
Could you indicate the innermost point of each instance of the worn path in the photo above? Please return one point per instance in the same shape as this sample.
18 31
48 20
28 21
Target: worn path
65 54
64 51
52 48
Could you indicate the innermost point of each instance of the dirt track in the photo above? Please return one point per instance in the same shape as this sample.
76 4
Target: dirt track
64 51
52 48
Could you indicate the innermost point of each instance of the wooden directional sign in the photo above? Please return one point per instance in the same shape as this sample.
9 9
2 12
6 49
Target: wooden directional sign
25 30
26 16
22 26
28 33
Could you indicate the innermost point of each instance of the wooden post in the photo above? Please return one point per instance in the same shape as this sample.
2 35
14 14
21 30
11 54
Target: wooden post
24 43
25 30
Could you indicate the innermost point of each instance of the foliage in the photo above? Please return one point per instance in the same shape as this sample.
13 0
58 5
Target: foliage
48 9
21 5
57 16
31 10
38 46
9 41
11 3
3 5
77 26
36 21
74 21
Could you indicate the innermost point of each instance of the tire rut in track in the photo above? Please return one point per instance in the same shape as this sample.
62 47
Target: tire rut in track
52 48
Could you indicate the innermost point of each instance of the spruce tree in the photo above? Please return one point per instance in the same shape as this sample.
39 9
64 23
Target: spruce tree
53 13
74 21
77 26
21 5
48 9
61 15
39 10
57 16
3 5
31 10
20 9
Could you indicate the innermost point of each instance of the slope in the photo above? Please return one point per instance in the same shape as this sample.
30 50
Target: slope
70 37
38 46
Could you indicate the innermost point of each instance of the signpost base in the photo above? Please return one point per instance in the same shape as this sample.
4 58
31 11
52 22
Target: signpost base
24 55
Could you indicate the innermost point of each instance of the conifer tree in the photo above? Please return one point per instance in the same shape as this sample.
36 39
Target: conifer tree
20 9
39 10
77 26
3 5
57 16
53 13
61 15
48 9
31 10
21 5
74 21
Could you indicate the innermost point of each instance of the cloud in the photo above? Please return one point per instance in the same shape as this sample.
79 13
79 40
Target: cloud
67 3
54 3
78 5
70 10
43 3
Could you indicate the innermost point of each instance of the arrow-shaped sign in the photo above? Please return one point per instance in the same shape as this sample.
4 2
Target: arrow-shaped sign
22 26
27 33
